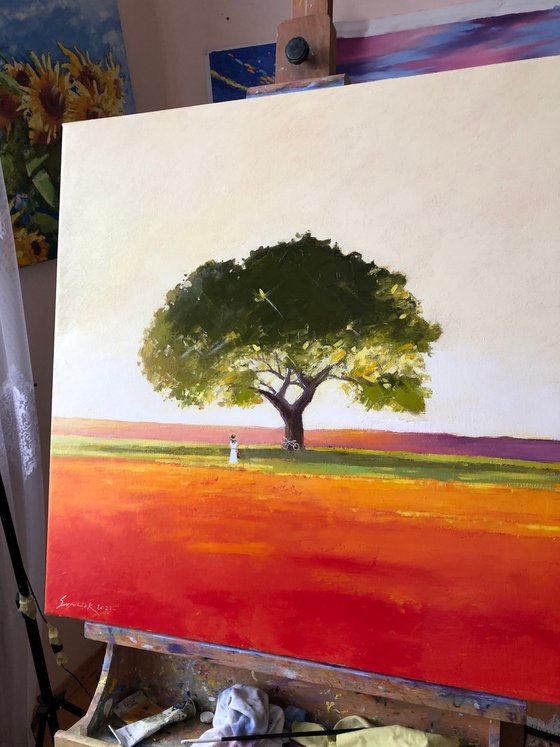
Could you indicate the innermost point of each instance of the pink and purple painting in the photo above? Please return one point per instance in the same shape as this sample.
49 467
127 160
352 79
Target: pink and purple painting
431 49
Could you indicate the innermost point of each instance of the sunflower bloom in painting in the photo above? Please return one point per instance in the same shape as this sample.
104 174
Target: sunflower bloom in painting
115 86
45 99
97 92
20 71
86 104
9 105
10 93
31 246
82 69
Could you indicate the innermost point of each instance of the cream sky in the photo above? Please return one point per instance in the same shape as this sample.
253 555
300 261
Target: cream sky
445 178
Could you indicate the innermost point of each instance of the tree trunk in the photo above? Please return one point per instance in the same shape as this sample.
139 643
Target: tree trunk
293 426
292 413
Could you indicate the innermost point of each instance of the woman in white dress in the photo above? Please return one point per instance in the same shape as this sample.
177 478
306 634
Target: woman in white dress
233 449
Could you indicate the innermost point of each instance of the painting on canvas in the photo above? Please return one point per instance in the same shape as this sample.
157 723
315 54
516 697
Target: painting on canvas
59 62
305 397
402 52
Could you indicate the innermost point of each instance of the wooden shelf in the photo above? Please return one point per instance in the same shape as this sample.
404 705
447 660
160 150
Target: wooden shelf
169 669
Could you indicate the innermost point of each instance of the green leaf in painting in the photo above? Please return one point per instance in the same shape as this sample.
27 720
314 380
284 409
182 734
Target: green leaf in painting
10 83
43 223
10 171
32 165
45 187
409 396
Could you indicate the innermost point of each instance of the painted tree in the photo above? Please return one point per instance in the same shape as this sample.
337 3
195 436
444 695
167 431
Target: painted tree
281 323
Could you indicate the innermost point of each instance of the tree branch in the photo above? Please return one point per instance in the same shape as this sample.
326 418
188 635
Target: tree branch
286 379
263 383
322 376
350 379
271 371
309 387
269 368
304 398
285 384
280 404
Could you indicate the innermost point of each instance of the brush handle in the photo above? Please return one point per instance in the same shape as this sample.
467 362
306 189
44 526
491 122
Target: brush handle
288 734
280 735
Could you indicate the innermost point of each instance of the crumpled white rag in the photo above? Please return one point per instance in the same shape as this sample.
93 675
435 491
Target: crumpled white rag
242 709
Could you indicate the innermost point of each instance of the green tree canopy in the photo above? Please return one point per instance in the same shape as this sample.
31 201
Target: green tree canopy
283 321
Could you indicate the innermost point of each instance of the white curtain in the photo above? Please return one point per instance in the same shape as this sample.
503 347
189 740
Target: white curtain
20 466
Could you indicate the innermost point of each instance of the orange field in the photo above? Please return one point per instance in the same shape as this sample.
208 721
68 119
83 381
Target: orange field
452 583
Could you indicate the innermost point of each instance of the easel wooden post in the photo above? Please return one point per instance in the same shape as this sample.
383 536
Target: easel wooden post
312 22
309 40
161 664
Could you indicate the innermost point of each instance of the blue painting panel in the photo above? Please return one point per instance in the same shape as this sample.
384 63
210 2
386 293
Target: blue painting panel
233 71
93 26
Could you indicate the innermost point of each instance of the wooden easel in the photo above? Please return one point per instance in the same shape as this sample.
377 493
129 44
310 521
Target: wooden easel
309 39
168 668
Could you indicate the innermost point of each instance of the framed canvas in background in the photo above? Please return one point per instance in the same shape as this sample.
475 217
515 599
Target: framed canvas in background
59 62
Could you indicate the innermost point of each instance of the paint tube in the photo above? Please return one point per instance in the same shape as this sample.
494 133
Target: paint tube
129 735
136 707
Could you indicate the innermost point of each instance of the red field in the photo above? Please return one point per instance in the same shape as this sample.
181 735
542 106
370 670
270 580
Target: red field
452 583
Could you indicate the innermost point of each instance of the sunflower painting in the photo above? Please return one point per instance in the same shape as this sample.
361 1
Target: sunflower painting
57 64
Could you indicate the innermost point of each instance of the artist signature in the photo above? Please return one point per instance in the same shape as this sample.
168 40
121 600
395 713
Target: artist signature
94 609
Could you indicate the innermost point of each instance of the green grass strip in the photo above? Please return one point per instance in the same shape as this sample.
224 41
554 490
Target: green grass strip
323 461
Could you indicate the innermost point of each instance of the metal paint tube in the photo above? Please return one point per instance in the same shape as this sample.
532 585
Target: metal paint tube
129 735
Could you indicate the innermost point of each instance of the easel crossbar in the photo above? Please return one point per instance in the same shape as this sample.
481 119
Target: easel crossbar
446 698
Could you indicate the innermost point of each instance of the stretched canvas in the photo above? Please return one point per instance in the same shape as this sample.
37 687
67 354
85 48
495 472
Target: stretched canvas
60 62
306 394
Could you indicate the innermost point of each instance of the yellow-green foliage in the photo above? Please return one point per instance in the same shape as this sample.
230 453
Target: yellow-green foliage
283 321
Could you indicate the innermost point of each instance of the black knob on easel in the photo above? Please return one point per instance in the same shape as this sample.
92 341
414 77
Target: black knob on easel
297 50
